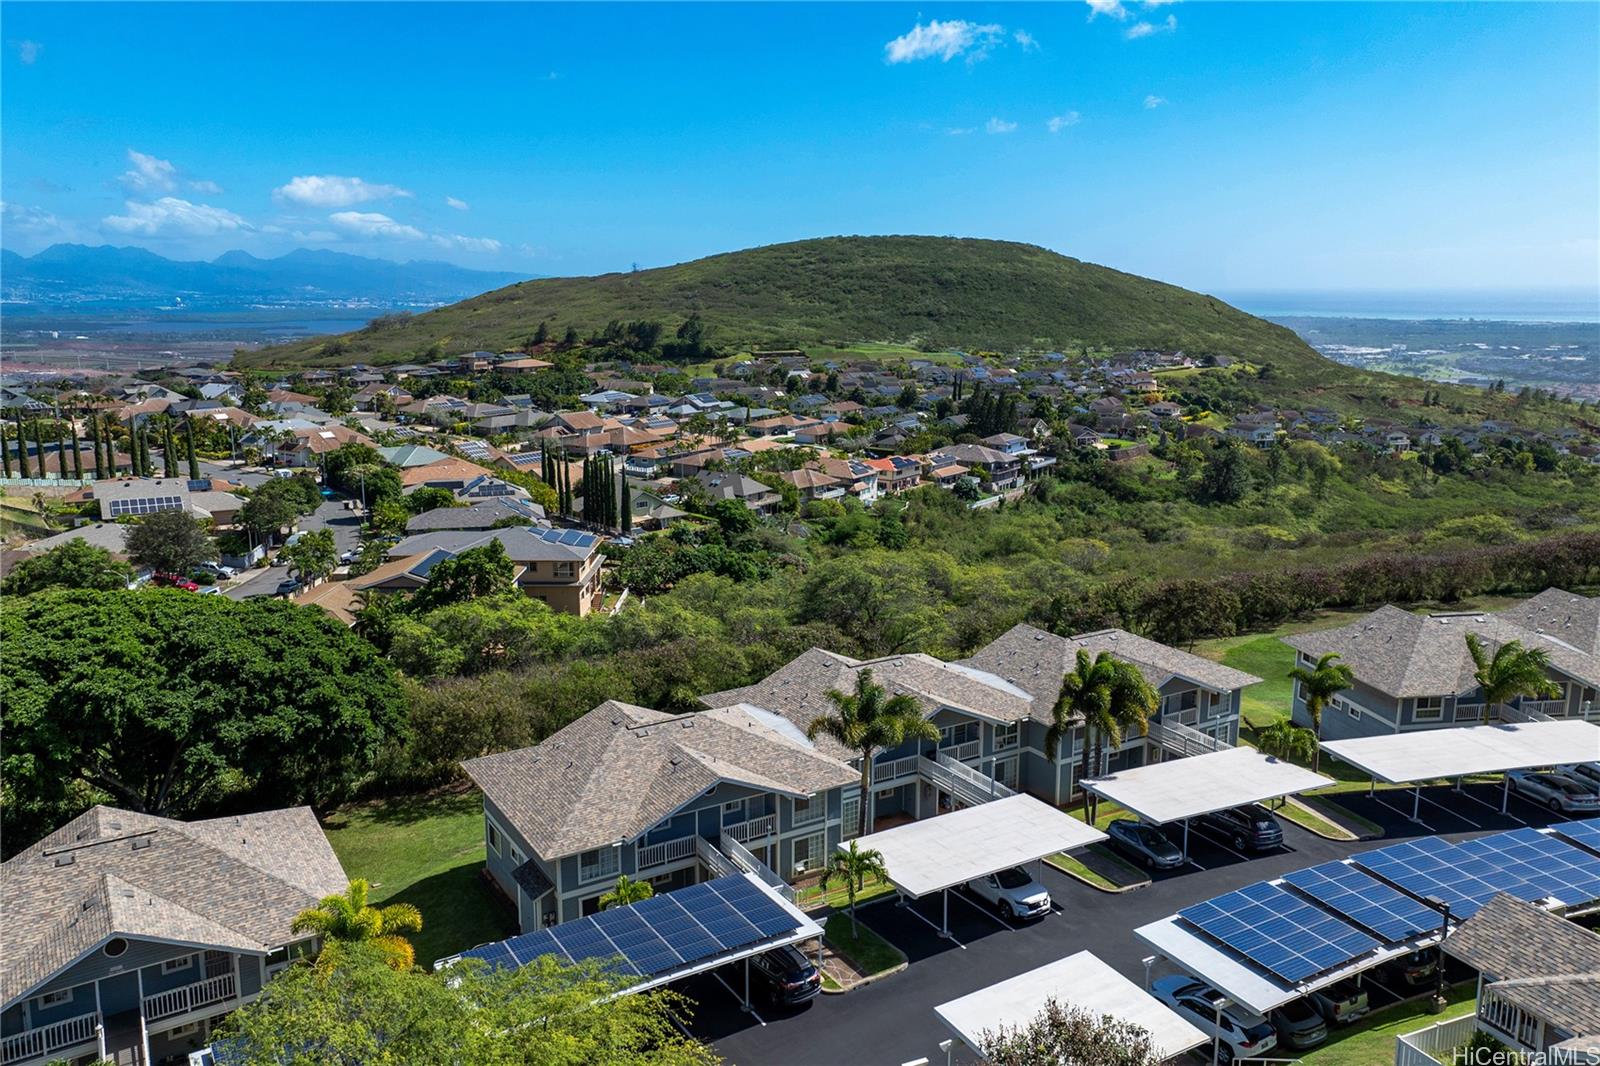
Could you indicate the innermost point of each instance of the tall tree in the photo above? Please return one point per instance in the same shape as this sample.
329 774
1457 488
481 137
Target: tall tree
1511 671
170 542
625 506
5 453
77 451
169 453
348 918
22 451
188 440
1318 684
38 446
1107 697
867 721
852 866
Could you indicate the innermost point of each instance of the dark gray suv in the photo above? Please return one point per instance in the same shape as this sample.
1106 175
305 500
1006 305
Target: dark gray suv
1249 828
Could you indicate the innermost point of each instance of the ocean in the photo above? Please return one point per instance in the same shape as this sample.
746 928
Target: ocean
1569 305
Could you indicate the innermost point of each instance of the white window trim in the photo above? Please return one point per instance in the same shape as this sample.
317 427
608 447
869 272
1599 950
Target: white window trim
56 998
185 962
494 836
1435 713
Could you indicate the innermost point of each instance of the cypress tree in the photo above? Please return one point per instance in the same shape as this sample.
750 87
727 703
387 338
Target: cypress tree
22 451
61 449
566 487
77 453
38 444
625 507
169 454
94 441
194 459
146 469
5 454
611 495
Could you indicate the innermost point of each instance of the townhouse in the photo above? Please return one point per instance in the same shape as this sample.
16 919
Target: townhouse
1414 671
634 791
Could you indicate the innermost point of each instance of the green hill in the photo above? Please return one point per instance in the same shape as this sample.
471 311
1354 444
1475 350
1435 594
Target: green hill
933 292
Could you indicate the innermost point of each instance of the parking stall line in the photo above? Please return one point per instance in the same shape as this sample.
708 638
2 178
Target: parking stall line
1406 814
911 906
737 997
1451 812
985 911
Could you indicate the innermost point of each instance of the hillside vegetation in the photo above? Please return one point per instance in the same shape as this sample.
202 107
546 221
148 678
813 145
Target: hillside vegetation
932 292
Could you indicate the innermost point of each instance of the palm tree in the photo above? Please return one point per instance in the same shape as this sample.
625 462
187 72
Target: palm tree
348 916
1286 740
1318 685
1109 697
853 865
1511 672
627 891
867 722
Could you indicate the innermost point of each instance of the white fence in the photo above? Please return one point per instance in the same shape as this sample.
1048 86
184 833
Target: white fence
652 855
750 864
47 1039
1421 1048
1180 739
186 998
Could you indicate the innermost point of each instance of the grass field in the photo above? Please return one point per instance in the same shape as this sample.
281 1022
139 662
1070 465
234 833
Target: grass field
837 898
426 851
1372 1039
869 951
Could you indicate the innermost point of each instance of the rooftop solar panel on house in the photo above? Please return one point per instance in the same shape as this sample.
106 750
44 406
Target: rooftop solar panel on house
1278 931
1365 901
1585 833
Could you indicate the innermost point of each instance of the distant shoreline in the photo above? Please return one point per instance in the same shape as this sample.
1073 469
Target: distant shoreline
1522 308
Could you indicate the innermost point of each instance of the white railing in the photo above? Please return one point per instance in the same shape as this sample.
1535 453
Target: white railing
1549 709
962 781
741 857
1180 739
1422 1047
1528 712
753 829
667 851
976 778
970 749
48 1039
894 770
712 859
184 999
1511 1023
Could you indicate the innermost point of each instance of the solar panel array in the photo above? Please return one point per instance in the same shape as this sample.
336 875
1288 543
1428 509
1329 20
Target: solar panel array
1556 868
1585 833
1363 899
1429 866
658 935
1279 931
138 505
572 537
473 449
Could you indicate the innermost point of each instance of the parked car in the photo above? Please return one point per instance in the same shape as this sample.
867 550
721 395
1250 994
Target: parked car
1299 1025
1251 827
1557 791
1236 1032
1585 773
218 570
1145 843
786 976
287 587
1013 893
211 590
174 581
1342 1002
1413 970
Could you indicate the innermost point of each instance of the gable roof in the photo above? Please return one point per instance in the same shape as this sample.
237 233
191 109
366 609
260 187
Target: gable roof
1545 964
232 883
617 771
479 515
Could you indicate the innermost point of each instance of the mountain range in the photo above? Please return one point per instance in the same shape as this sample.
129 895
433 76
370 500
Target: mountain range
80 278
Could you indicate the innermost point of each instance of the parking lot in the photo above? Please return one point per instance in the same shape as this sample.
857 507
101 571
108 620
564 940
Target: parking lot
892 1020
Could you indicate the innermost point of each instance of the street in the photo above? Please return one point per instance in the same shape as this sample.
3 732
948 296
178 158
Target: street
331 514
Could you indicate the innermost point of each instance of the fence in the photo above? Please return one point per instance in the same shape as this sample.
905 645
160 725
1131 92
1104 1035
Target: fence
1421 1048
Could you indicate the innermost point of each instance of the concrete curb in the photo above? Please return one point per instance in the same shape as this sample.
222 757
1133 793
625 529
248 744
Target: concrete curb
1326 816
1098 888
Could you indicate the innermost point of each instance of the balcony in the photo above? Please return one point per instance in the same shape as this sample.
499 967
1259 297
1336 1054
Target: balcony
187 998
754 829
885 773
47 1040
970 749
668 851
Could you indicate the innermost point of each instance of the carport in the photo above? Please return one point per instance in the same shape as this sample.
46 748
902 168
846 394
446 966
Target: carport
1183 789
1439 754
936 854
1080 980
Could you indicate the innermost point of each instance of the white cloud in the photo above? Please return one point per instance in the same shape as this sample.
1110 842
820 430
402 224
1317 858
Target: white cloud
27 219
944 40
1109 8
171 215
210 188
1153 101
1149 29
331 190
459 205
999 125
376 226
1026 41
149 174
960 131
1057 123
466 244
28 52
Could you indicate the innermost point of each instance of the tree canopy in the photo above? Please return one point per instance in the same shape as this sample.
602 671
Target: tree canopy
77 564
1064 1033
170 542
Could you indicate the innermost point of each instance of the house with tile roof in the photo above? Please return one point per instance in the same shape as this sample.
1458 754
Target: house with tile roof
559 567
630 790
1414 671
127 936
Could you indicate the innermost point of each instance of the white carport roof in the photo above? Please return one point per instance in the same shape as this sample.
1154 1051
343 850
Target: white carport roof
952 849
1080 980
1426 755
1241 982
1183 788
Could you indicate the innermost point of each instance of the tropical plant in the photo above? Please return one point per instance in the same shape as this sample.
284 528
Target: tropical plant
869 720
1511 671
1108 697
347 916
1066 1033
1285 740
1319 684
626 891
852 866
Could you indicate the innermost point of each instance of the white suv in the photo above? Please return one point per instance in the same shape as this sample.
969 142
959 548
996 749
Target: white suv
1240 1034
1013 893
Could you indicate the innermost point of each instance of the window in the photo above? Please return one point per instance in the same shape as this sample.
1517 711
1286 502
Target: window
808 852
174 965
183 1030
1429 709
517 858
566 570
1005 736
56 998
808 810
494 836
601 862
952 735
850 816
1351 709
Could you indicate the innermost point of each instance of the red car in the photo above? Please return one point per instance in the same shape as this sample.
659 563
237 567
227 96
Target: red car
174 581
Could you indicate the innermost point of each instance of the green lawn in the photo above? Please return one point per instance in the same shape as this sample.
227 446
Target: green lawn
861 945
838 898
1072 865
427 851
1371 1040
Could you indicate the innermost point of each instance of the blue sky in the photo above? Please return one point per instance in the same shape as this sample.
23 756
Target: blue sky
1218 146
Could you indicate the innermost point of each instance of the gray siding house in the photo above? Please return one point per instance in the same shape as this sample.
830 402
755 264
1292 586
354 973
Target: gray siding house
629 790
1415 672
126 936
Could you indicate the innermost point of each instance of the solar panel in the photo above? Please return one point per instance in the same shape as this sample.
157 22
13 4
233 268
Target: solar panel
1431 867
717 916
756 906
1365 901
639 943
1556 868
1585 833
493 955
584 940
529 946
1279 931
679 929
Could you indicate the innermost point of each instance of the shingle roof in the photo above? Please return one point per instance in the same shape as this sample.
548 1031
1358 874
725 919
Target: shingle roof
1566 616
615 772
227 882
1036 661
1542 963
477 516
1404 654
